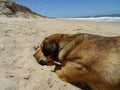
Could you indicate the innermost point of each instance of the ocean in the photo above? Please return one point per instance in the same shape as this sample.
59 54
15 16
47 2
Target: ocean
112 18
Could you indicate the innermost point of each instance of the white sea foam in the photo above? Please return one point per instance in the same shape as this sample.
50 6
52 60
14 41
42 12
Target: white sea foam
115 19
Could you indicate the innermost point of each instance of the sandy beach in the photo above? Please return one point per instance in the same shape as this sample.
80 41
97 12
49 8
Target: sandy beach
18 36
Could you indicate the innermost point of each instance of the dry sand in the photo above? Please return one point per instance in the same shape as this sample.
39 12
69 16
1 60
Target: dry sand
18 36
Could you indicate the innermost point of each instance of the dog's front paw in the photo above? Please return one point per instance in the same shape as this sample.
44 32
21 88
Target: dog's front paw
62 76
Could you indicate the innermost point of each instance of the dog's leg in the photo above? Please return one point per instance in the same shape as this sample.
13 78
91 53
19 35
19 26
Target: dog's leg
62 76
65 76
71 71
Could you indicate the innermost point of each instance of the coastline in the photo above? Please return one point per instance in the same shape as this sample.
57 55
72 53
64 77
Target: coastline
18 36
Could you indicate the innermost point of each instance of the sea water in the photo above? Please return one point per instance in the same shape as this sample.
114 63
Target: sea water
114 19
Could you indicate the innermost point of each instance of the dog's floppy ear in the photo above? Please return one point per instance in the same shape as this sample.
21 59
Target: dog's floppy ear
50 48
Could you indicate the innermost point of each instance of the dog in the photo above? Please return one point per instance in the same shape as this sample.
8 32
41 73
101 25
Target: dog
92 59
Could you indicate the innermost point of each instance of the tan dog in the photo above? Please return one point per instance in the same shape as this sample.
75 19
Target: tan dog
87 58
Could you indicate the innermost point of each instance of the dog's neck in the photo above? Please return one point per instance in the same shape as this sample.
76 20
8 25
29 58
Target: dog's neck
67 43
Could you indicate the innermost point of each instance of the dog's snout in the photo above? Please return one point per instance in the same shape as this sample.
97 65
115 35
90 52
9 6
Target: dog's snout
42 62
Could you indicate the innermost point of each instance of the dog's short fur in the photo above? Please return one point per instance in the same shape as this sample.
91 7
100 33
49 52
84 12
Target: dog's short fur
87 58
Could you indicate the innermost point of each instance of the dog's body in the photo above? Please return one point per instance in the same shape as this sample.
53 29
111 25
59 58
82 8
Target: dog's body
87 58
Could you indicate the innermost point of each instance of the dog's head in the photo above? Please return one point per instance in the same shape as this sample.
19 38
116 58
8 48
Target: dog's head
48 52
50 48
41 59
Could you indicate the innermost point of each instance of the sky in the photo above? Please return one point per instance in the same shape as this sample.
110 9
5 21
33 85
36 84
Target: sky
72 8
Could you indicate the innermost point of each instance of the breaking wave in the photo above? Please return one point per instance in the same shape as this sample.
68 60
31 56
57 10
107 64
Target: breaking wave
114 19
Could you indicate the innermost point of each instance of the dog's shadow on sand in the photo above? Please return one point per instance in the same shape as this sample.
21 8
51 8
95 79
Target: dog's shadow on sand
82 86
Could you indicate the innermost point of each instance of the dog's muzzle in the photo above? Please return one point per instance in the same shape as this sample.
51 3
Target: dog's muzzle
42 62
40 58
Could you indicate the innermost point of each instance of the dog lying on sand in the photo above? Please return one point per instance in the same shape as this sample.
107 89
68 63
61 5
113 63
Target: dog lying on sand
92 59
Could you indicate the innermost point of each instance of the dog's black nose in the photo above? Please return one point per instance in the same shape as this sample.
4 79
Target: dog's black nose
42 62
33 55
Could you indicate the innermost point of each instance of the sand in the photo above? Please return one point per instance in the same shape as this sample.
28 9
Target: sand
18 36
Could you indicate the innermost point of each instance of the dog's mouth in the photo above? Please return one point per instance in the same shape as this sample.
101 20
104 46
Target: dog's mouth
44 62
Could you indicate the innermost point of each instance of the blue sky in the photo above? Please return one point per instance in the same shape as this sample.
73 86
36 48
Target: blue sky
72 8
